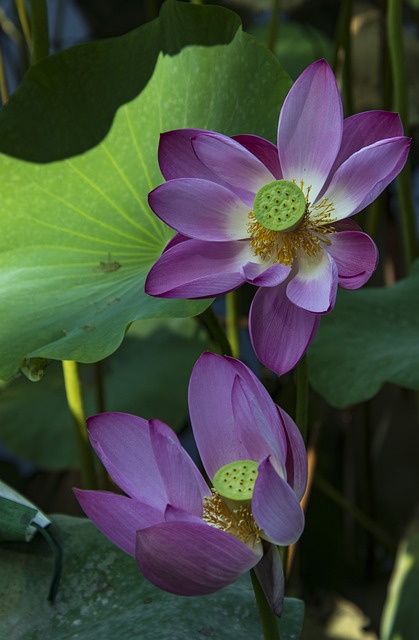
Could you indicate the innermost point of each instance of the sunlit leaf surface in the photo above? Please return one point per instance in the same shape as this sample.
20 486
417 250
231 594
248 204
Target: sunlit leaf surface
77 238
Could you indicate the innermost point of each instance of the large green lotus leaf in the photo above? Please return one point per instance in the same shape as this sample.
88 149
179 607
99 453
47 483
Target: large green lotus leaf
77 238
400 619
371 337
103 595
148 376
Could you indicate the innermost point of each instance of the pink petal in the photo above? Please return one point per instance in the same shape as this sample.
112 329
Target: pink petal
279 330
356 257
217 434
296 460
176 239
184 486
264 150
123 444
361 178
198 269
310 127
260 276
139 456
275 506
314 285
118 517
200 209
263 399
363 129
259 437
192 559
270 574
177 159
231 162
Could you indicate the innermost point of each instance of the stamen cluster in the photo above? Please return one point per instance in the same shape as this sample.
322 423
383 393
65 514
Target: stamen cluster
239 522
281 246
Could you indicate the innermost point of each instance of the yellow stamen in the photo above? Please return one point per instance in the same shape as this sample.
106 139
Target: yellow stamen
282 246
239 522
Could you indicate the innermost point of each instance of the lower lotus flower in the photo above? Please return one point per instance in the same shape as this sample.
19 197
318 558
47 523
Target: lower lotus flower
187 538
276 217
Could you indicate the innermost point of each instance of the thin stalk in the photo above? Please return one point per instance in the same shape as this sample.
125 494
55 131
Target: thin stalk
359 516
102 474
75 403
373 216
301 410
273 25
40 35
398 67
232 322
312 463
24 21
99 387
215 329
4 90
342 54
268 619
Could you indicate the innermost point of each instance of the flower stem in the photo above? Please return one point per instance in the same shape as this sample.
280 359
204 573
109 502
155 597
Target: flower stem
4 91
232 322
342 55
268 619
398 66
301 410
215 329
273 25
24 22
40 35
76 406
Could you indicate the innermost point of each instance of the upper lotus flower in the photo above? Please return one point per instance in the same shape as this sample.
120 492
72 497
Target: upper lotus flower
187 538
276 217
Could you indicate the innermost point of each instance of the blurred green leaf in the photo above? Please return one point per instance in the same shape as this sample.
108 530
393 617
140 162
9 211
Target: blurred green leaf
77 238
400 619
147 376
297 45
371 337
103 595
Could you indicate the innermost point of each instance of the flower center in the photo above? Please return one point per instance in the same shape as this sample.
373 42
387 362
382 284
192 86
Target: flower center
305 231
279 206
236 480
238 522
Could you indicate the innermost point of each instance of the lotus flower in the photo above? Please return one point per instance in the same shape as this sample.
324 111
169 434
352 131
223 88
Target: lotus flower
189 539
276 217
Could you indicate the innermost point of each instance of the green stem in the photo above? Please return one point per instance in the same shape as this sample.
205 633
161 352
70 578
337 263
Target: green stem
4 91
40 35
102 475
398 67
301 410
75 403
359 516
373 216
215 329
273 25
232 322
268 619
100 387
24 21
342 52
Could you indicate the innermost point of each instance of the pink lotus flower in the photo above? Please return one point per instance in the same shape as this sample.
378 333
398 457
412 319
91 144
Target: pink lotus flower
246 211
187 538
